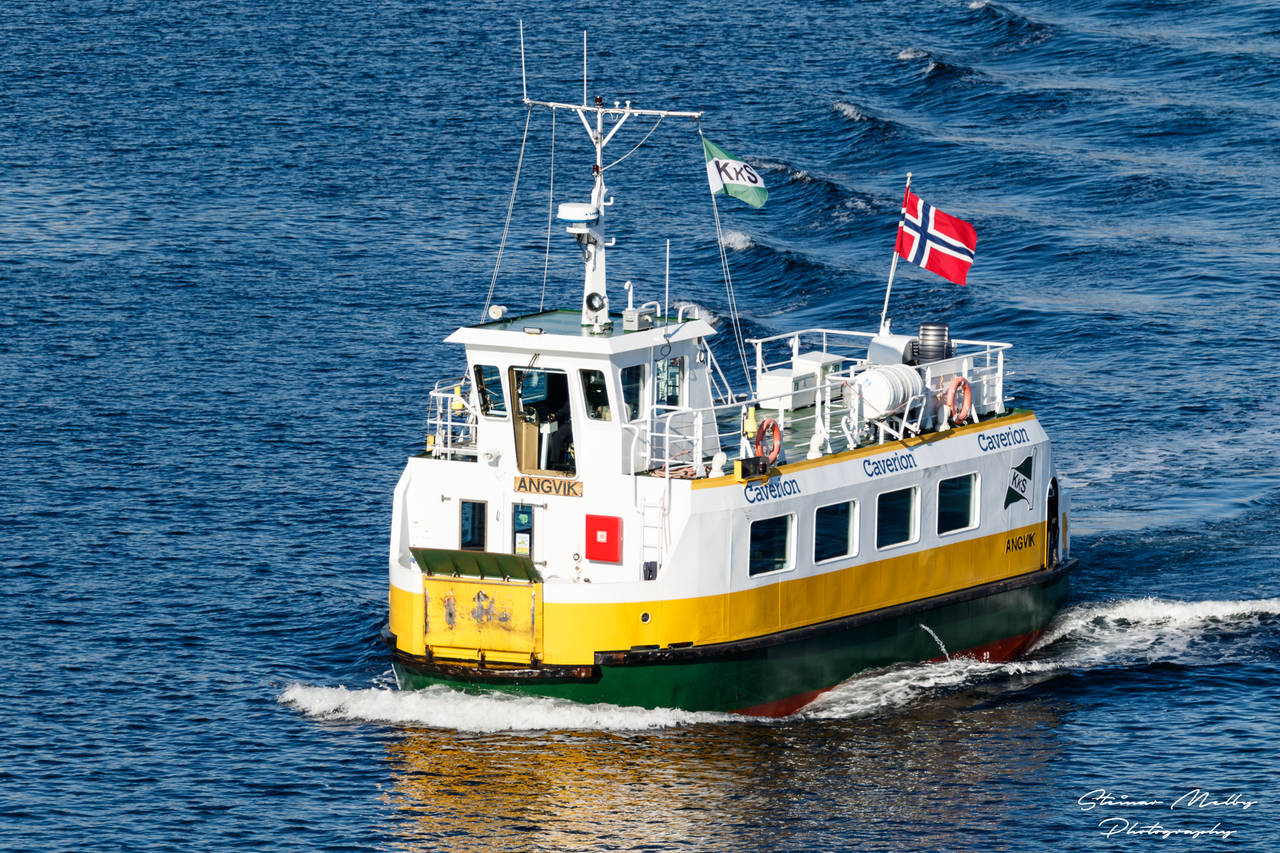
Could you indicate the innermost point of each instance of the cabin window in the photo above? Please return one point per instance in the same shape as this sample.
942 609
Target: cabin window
543 422
896 517
669 380
595 395
471 528
835 531
770 545
489 389
957 504
632 386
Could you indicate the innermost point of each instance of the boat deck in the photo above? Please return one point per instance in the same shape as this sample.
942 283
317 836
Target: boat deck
818 382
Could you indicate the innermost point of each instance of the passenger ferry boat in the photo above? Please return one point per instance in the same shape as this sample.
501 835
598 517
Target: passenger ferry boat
597 515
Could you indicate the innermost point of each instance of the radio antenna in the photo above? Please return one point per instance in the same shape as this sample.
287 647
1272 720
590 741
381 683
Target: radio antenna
524 85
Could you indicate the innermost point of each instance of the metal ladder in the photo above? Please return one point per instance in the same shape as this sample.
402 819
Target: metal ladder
652 534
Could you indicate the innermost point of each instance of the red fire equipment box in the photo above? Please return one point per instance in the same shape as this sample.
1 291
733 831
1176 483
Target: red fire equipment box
604 538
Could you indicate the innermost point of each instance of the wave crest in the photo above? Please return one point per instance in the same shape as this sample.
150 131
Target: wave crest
850 111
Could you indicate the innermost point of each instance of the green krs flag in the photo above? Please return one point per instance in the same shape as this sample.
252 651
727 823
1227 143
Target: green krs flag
728 174
1019 483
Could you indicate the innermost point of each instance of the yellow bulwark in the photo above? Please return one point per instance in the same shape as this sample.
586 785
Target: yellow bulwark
493 621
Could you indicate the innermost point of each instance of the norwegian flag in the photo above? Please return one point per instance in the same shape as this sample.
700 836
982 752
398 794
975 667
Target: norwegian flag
935 240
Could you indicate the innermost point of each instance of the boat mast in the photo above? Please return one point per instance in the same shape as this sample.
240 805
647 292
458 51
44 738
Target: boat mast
586 221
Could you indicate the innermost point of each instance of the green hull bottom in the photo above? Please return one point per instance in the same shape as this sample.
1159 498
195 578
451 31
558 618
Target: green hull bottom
778 675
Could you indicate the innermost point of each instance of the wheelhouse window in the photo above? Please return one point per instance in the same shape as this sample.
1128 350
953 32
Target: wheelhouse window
896 516
669 380
489 389
595 395
632 387
471 534
543 422
957 504
770 545
835 531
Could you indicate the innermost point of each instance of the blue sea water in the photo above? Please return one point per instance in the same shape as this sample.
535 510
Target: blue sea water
233 235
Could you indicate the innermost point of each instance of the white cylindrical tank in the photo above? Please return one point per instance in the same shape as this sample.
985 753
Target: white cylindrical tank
886 389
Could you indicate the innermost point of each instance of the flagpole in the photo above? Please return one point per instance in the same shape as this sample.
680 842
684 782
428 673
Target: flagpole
893 267
728 282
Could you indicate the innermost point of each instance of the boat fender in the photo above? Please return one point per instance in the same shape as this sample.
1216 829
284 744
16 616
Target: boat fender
769 425
957 384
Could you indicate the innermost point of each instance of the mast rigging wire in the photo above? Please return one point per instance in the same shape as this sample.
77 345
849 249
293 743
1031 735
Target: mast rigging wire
638 144
510 207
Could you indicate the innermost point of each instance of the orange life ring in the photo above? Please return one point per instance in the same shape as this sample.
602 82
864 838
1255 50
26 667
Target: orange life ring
956 384
765 425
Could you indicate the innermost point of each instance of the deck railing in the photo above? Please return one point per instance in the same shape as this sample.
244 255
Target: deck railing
453 422
678 441
688 442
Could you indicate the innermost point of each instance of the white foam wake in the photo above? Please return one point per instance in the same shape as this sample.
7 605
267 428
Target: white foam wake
1102 631
441 708
898 687
1131 632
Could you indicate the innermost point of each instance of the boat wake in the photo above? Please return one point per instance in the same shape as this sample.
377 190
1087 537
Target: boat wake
441 708
1086 637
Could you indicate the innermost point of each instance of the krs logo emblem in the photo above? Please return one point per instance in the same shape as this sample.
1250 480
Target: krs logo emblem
1019 484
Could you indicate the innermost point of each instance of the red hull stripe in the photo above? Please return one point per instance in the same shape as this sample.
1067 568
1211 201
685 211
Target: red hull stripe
996 652
783 707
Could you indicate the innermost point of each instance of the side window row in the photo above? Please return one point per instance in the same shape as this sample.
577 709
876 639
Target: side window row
835 526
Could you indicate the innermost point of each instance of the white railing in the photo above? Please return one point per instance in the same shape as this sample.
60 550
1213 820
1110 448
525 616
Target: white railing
849 345
696 442
452 423
687 442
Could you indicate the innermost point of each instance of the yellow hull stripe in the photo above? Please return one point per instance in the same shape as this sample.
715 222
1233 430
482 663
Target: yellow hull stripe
872 450
571 634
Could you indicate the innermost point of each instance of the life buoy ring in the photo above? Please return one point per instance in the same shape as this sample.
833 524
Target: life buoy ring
767 425
958 415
